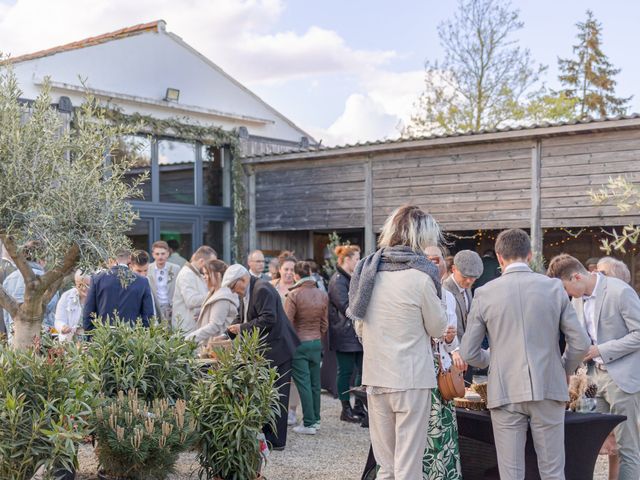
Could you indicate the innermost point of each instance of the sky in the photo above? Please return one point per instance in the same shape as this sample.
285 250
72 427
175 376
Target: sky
343 70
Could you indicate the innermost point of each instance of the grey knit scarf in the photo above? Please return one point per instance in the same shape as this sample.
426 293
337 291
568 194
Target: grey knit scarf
389 259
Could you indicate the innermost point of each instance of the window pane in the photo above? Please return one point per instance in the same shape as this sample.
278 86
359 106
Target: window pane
212 176
214 236
182 232
139 234
137 149
177 167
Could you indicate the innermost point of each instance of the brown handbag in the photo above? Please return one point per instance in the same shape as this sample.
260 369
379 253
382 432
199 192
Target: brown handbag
450 382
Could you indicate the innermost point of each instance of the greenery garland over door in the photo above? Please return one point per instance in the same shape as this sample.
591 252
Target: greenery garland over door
211 136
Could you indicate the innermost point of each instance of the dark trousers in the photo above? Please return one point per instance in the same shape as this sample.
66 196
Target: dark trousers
347 363
278 439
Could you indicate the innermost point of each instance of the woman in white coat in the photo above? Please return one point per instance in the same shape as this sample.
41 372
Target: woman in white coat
220 308
69 308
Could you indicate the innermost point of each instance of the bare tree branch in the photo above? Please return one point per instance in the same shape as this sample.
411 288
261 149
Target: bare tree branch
20 261
8 302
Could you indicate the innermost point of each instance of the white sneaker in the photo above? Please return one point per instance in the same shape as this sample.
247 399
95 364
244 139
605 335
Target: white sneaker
316 425
292 420
304 430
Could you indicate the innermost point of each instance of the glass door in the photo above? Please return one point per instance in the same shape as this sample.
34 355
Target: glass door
181 232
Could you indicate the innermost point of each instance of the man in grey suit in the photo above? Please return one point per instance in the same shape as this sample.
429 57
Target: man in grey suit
467 267
523 313
609 311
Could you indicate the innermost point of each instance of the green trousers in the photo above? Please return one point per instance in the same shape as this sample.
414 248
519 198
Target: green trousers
306 374
347 362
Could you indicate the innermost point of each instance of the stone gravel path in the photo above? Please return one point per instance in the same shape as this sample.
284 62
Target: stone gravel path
337 452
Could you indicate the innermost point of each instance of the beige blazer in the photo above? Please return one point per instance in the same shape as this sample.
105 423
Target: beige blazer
461 306
402 316
617 314
172 275
190 293
219 310
523 313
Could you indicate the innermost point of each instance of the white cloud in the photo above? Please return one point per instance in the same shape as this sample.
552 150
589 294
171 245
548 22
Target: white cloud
379 112
235 34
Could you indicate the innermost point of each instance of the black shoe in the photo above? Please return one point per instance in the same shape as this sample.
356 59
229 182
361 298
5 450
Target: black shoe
365 422
347 414
359 409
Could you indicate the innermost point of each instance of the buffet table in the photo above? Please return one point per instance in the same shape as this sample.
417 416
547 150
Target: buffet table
584 435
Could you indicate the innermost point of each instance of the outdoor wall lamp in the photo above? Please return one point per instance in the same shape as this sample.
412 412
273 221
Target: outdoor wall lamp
172 95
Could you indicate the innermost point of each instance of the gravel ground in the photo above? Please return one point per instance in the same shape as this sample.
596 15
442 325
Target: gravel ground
338 451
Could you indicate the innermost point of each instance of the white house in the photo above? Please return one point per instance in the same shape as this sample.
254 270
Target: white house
147 70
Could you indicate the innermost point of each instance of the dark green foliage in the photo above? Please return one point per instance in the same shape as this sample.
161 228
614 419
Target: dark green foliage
44 404
232 404
154 361
141 440
589 77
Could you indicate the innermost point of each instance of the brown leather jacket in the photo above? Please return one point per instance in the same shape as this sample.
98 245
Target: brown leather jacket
307 308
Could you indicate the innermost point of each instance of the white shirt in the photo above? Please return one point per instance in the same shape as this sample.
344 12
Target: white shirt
514 265
68 312
452 319
162 285
589 307
464 292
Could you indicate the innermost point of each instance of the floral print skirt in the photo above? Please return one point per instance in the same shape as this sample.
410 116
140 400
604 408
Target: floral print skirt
441 459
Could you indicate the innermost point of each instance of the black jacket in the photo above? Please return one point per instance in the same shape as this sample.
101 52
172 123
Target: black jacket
265 312
342 336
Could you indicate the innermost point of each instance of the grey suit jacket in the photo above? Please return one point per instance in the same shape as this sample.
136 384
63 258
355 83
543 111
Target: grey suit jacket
617 314
172 270
523 313
461 306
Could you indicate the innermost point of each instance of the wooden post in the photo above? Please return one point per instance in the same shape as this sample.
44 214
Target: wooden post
369 234
536 202
252 210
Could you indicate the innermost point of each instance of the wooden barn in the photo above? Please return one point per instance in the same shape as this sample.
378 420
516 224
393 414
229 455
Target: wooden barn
475 184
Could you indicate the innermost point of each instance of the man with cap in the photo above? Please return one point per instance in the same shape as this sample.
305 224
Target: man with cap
467 267
262 309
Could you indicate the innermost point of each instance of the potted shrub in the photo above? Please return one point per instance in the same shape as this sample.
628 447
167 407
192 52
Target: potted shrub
140 440
45 403
154 365
231 404
154 361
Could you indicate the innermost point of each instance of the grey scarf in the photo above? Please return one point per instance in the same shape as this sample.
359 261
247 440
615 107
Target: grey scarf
389 259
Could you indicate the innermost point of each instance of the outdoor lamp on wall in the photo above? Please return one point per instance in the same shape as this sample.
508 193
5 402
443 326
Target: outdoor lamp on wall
172 95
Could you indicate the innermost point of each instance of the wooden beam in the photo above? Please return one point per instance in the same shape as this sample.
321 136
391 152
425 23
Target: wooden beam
536 203
369 234
252 211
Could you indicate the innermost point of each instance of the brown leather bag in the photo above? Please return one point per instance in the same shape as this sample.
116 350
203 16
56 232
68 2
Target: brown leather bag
450 382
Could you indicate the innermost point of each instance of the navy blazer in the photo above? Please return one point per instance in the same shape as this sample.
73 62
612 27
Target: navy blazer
266 313
107 296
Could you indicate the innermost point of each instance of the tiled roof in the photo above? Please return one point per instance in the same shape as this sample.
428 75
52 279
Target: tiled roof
155 26
587 120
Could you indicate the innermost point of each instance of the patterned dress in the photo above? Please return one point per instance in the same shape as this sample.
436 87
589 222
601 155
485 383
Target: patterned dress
441 459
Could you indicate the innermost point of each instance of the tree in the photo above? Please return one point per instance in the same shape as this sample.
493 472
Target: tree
589 77
486 80
60 200
626 196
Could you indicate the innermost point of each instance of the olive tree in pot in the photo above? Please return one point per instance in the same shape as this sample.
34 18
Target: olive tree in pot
231 405
45 402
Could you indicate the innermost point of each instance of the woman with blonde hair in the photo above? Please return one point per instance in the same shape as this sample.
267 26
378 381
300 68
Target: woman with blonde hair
220 308
342 336
395 300
69 308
